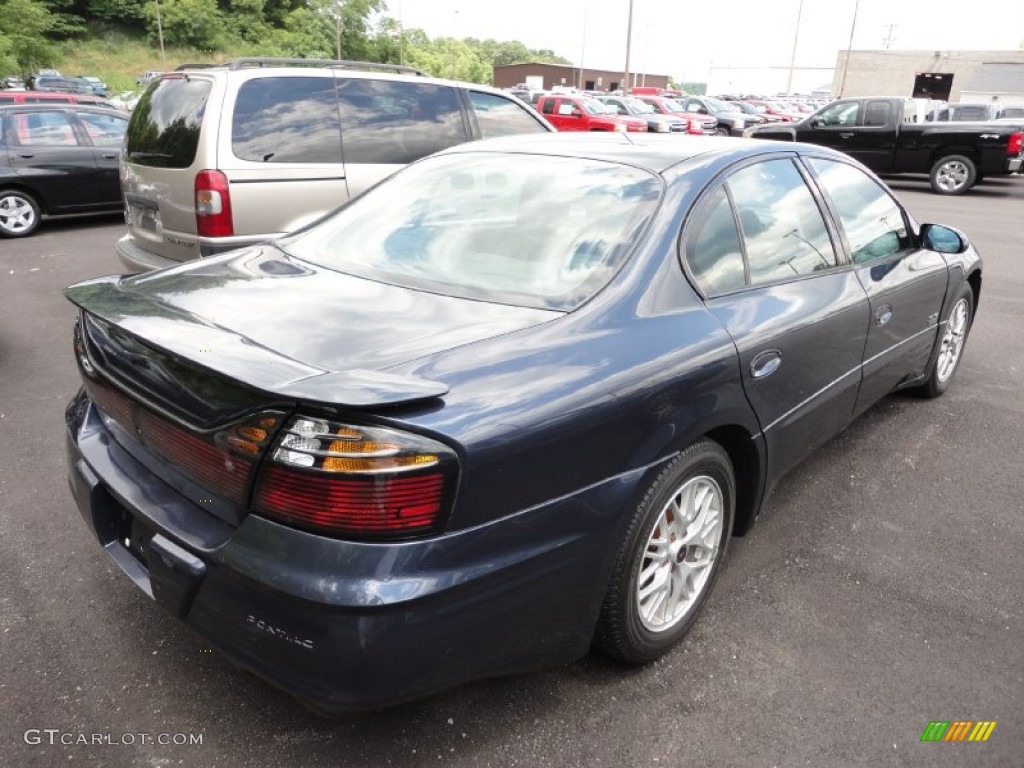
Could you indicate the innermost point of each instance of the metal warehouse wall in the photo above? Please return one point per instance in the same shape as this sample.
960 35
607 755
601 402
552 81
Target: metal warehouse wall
891 73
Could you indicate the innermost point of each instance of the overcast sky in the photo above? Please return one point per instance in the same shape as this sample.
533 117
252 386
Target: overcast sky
686 39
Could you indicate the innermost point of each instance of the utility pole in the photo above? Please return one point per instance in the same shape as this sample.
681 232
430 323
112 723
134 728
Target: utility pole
583 45
629 40
889 37
160 34
792 57
849 49
338 27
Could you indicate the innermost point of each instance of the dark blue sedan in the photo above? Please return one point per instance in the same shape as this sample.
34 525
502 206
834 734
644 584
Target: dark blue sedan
511 403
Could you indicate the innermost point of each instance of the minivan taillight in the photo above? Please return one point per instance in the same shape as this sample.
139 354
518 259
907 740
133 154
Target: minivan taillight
343 479
213 205
1016 143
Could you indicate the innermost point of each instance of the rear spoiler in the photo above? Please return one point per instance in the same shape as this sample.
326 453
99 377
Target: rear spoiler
197 341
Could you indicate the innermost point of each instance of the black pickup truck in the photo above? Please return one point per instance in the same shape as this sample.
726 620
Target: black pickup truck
956 156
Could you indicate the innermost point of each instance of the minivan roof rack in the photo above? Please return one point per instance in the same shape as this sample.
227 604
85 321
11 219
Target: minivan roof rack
265 61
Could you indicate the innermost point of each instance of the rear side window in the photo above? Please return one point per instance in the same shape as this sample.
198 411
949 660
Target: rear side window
103 130
498 116
287 120
783 230
395 123
714 253
164 129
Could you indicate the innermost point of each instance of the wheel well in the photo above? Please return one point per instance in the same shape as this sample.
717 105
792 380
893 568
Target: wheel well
974 280
746 464
969 152
26 191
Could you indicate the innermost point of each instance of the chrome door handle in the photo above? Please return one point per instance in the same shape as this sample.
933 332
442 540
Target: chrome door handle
883 314
846 135
765 363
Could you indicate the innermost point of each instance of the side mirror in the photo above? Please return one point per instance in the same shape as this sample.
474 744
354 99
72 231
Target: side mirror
814 122
702 110
936 237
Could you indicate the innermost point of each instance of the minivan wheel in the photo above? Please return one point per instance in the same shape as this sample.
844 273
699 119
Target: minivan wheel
19 213
721 131
953 175
670 557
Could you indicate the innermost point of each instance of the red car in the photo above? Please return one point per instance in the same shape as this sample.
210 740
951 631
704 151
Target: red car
699 125
581 113
776 109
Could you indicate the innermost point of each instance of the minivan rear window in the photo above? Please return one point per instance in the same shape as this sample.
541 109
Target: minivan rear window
164 129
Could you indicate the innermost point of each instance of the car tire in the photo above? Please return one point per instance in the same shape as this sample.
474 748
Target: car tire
722 131
951 341
19 213
659 582
952 175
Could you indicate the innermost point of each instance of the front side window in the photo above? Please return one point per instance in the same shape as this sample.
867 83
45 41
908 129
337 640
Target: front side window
873 222
839 115
783 230
498 116
396 122
491 227
43 129
286 120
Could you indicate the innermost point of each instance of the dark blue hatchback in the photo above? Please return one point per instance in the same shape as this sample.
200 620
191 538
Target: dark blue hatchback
511 403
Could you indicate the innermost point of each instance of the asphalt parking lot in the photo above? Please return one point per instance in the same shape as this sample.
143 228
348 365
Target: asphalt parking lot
880 590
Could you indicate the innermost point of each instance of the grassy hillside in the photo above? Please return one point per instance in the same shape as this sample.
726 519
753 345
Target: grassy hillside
118 58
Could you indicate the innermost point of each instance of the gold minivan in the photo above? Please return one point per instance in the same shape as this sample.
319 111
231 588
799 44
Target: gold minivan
217 158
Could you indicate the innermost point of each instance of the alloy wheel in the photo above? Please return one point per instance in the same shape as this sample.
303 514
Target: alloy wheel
681 550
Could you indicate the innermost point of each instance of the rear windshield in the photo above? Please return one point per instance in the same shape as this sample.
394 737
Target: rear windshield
164 129
539 231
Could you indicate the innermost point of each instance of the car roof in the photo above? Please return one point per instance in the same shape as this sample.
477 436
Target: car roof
80 107
371 71
650 151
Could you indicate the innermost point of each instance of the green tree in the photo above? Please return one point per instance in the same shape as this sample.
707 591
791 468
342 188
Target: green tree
195 23
24 46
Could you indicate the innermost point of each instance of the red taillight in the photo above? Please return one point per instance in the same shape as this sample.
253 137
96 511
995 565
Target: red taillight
213 205
372 504
222 463
343 479
1016 144
211 467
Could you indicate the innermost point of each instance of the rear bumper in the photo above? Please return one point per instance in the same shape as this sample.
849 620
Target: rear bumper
347 625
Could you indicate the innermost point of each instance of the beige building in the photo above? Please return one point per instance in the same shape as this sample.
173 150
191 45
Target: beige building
975 76
551 75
